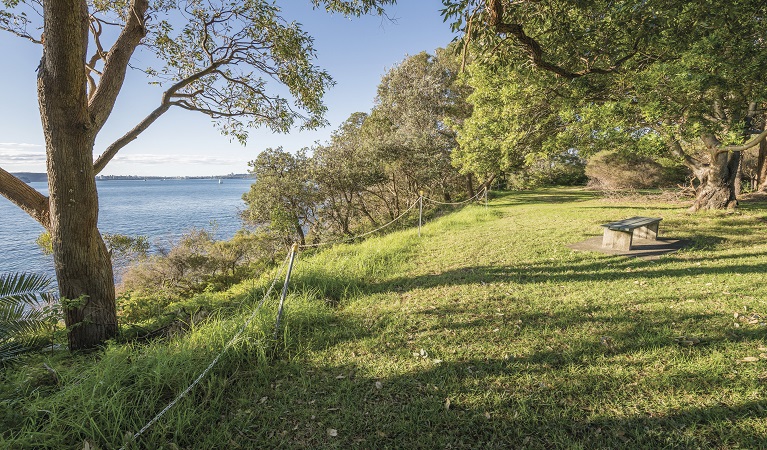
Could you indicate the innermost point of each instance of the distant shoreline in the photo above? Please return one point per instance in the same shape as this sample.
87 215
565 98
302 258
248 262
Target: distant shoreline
34 177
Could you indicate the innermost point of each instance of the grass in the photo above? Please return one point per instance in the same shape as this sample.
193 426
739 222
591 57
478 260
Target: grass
486 332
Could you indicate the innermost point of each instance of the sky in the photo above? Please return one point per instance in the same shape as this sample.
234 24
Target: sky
356 52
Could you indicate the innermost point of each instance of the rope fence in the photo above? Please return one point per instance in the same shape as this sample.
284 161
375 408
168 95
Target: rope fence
210 366
289 262
475 197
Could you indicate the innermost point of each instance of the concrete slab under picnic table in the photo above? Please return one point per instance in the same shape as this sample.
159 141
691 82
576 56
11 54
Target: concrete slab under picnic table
640 248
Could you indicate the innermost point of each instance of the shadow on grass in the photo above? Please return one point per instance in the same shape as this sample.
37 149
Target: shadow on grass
494 403
604 269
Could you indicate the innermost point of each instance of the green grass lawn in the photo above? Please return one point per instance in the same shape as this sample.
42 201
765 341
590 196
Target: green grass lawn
485 332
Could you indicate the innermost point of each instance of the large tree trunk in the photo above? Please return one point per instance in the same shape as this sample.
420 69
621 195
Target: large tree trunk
717 183
83 266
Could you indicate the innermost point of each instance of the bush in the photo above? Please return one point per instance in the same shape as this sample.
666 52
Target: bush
615 170
196 263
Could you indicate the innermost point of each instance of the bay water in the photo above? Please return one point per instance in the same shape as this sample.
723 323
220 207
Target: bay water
161 210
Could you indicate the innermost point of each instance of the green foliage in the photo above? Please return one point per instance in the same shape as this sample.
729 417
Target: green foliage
515 120
120 245
196 263
416 101
564 169
230 52
27 314
284 196
666 79
346 171
374 166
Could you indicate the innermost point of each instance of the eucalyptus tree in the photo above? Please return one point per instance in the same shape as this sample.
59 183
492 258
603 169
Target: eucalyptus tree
688 73
220 58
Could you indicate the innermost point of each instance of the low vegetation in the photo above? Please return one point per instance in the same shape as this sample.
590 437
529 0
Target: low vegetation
485 332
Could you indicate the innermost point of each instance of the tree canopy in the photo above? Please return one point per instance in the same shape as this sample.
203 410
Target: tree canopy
689 74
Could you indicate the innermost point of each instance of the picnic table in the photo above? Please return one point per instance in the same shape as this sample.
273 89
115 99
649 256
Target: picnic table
619 235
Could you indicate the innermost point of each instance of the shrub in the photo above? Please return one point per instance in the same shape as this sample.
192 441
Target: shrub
615 170
564 169
196 263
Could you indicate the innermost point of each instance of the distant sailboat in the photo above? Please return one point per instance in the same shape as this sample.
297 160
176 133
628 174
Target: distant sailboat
220 181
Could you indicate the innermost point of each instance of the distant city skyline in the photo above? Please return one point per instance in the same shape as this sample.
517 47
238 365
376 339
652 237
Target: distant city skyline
356 52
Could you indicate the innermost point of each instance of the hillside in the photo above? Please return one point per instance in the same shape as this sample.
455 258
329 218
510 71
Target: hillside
485 332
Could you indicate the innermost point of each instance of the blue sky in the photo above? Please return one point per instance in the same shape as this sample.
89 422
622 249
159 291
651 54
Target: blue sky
356 52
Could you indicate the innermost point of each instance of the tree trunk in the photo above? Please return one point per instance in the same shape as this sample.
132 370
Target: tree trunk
83 266
717 183
761 172
470 185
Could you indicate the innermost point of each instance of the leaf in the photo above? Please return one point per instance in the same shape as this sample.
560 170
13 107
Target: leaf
379 385
750 359
447 403
332 432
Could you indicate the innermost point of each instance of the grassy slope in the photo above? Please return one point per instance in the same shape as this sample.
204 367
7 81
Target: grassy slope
486 332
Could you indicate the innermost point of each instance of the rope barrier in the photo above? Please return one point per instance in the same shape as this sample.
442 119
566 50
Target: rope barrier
212 363
320 244
476 196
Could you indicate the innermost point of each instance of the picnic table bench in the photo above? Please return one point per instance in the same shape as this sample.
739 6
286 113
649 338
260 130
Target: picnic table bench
619 235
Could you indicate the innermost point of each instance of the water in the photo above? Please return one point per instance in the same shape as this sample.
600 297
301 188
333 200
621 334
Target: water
161 210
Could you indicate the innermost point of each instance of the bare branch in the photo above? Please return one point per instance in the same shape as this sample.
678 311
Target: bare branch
116 63
134 133
25 197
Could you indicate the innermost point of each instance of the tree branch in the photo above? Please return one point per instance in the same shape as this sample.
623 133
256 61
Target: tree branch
535 51
741 148
116 63
165 105
25 197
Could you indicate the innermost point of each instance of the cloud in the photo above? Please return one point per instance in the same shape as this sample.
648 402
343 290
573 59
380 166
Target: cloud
12 153
175 159
18 153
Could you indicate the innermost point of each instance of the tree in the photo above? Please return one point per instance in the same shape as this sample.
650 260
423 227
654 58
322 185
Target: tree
415 101
514 122
688 73
284 197
216 57
344 170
